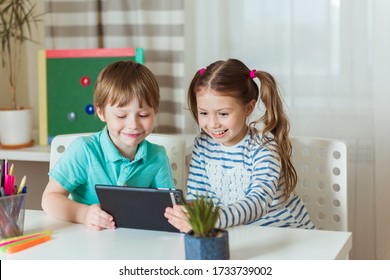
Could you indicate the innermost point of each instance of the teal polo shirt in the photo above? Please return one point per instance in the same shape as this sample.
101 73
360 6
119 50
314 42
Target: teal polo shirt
94 159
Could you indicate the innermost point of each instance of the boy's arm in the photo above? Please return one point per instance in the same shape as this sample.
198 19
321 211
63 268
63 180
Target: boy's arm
55 202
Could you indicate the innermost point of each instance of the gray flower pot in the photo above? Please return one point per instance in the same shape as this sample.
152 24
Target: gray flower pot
207 248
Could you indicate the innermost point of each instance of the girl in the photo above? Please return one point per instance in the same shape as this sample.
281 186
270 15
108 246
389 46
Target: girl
245 168
126 98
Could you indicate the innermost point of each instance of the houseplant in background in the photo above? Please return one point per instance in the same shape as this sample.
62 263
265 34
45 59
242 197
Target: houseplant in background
204 241
17 20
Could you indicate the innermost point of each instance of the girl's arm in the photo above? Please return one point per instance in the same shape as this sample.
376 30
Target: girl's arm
56 203
261 192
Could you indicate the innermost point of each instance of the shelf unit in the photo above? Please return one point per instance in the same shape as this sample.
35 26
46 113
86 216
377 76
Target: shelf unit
35 153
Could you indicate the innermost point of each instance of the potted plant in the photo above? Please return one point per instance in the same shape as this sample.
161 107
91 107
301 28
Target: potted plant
17 20
205 241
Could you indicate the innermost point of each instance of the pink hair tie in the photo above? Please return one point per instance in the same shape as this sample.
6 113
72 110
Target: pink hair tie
252 74
201 71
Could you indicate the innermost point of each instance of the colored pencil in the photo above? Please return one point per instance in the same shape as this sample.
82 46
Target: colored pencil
11 170
22 183
22 237
28 244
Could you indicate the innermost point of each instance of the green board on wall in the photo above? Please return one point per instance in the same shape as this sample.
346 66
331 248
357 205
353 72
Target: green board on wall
70 79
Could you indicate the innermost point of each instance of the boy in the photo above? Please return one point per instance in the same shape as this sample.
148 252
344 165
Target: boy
126 98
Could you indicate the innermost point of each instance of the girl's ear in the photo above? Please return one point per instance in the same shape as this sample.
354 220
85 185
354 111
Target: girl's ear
250 107
100 114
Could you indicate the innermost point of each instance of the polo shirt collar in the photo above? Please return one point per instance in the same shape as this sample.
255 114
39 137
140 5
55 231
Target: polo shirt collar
112 154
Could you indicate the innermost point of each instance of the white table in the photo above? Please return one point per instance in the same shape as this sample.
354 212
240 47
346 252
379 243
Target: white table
75 242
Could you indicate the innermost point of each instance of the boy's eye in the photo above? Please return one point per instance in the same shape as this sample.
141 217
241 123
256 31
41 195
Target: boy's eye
144 115
202 113
223 114
121 117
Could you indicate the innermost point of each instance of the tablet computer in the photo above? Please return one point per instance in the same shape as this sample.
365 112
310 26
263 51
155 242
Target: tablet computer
139 208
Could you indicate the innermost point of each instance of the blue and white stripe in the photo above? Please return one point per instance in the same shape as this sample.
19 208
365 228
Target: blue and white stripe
245 182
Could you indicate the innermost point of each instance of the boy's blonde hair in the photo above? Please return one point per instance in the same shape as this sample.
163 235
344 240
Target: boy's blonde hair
120 82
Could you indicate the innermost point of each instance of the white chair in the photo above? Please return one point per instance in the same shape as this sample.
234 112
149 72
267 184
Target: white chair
321 165
59 144
174 145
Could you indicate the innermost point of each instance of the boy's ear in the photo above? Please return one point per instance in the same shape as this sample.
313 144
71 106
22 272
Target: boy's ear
250 107
100 114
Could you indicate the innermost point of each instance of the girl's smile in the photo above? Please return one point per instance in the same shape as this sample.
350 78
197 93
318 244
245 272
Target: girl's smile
222 117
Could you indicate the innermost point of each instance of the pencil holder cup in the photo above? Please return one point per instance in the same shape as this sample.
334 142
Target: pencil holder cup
12 210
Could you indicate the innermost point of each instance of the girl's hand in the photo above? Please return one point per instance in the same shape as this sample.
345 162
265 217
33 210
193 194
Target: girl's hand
177 216
97 219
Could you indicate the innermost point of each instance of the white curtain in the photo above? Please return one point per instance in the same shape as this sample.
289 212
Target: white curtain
155 26
331 59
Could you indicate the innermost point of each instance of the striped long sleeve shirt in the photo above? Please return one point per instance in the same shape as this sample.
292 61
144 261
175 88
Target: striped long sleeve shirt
244 181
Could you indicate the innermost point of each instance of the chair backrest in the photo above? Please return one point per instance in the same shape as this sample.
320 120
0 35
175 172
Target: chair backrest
321 165
59 144
174 145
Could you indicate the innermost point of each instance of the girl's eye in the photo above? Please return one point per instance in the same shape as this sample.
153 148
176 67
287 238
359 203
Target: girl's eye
202 113
223 114
144 116
121 117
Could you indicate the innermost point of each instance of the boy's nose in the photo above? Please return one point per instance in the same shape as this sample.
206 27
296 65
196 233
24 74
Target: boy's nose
132 122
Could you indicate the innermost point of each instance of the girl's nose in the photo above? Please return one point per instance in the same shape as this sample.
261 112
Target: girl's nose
214 123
